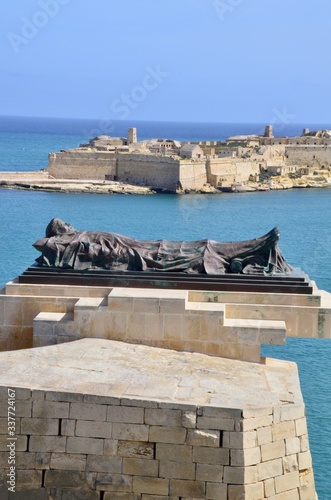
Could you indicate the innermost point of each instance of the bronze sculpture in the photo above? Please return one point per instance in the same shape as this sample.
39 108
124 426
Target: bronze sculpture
65 247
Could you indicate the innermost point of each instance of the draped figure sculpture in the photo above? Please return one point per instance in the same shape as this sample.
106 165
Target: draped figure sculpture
65 247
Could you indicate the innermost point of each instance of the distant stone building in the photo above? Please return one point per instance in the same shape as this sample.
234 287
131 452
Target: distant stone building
281 169
192 151
106 143
163 146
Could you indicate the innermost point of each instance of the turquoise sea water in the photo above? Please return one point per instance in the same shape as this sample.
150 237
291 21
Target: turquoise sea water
302 215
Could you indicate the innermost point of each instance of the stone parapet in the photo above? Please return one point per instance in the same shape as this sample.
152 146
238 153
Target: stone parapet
226 324
140 423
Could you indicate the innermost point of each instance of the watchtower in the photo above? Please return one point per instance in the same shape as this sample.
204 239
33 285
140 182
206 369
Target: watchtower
268 131
132 135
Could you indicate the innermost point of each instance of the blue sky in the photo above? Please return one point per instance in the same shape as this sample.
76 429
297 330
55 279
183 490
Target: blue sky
183 60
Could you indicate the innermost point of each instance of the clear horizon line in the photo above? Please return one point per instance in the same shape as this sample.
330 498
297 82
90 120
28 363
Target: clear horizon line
159 121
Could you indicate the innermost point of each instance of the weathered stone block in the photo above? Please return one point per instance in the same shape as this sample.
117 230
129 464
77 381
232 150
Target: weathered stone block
65 479
292 445
47 444
125 414
216 491
153 486
240 475
168 418
249 491
304 460
209 472
68 427
283 430
301 426
273 450
264 435
304 442
28 479
88 428
110 447
130 432
188 489
204 455
217 423
174 435
240 440
177 470
249 456
167 452
307 485
287 482
255 423
189 419
292 412
85 411
66 397
84 445
197 437
40 426
102 463
42 461
290 463
102 400
267 470
140 467
135 449
67 461
113 482
47 409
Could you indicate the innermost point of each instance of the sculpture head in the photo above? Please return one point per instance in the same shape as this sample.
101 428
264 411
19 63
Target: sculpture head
56 227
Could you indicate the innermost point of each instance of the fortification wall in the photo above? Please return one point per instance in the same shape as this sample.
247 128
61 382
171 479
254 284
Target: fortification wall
315 156
150 170
193 174
94 165
225 171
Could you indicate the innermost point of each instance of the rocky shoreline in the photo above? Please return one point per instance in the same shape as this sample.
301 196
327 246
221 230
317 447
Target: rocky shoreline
41 181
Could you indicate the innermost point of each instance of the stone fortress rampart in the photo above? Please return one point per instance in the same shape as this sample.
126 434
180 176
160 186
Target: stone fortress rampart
168 165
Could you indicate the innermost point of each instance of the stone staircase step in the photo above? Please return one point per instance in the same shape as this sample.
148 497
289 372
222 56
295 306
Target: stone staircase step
261 331
48 325
90 303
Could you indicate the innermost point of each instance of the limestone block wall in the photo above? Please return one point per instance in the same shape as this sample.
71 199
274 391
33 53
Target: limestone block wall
227 324
159 318
193 174
316 156
111 448
19 305
17 314
150 170
77 164
229 170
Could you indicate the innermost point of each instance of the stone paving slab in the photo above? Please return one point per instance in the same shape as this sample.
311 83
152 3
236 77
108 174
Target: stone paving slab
118 369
